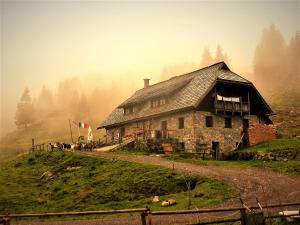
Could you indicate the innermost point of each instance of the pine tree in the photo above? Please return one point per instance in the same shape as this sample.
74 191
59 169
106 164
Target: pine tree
219 54
206 58
83 109
270 61
45 102
25 110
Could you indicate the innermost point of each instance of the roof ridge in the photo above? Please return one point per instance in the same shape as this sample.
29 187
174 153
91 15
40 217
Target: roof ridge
185 74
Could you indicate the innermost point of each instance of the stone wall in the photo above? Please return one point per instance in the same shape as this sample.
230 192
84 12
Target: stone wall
184 135
195 135
260 132
226 137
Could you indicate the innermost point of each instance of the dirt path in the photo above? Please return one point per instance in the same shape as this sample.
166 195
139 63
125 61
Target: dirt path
268 186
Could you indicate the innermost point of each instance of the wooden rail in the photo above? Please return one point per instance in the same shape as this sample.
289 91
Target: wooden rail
146 214
6 218
37 146
221 209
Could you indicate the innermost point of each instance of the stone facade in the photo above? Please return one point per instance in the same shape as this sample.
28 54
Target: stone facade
195 135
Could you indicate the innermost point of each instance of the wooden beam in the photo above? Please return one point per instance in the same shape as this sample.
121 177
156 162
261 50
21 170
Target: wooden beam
248 104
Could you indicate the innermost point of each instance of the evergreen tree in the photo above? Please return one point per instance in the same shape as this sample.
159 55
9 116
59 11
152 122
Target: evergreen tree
45 102
219 54
270 62
83 109
206 58
293 60
25 110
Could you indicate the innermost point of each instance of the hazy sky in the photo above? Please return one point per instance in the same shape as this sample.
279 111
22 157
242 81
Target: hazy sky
44 42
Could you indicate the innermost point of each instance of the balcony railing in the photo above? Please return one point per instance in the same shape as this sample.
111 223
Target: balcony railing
232 106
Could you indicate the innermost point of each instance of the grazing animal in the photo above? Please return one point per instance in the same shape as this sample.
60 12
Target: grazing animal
55 146
66 146
89 147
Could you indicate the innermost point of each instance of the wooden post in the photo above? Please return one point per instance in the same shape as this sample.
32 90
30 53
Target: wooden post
105 135
71 131
223 105
143 218
32 142
6 220
216 101
248 104
243 217
149 217
241 106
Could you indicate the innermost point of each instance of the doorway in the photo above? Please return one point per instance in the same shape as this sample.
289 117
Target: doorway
215 149
122 133
164 129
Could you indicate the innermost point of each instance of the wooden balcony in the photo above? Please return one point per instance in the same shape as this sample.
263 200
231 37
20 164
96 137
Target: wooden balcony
233 107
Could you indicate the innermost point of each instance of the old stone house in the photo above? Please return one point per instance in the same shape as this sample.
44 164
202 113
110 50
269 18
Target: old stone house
211 109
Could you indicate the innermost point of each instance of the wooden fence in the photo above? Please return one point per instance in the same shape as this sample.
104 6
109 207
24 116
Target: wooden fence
38 146
147 215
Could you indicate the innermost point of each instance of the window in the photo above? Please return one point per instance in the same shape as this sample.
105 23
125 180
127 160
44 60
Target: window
158 102
209 121
128 110
228 122
181 123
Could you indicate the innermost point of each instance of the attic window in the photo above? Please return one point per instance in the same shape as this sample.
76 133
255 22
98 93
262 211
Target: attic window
128 110
158 102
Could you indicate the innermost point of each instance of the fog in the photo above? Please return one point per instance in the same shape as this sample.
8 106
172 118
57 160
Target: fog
89 99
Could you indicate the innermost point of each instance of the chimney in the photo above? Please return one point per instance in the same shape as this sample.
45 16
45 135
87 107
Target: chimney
146 82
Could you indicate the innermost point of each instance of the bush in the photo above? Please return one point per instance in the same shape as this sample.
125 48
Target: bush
31 160
239 155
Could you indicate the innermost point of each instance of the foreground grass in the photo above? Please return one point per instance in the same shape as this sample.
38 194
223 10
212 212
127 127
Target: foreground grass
80 183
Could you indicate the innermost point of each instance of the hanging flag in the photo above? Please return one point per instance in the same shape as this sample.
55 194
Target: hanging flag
83 125
90 134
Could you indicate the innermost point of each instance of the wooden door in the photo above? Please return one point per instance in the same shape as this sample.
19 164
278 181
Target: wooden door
164 129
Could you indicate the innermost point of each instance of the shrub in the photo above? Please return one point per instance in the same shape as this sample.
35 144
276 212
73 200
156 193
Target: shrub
31 160
239 155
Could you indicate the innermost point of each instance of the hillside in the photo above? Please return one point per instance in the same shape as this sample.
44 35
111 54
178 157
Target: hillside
74 182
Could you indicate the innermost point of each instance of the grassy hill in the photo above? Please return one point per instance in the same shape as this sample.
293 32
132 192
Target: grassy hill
76 183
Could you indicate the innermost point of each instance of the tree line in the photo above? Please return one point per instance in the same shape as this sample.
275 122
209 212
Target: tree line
70 101
276 70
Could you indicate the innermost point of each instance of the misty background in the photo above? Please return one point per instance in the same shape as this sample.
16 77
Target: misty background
79 61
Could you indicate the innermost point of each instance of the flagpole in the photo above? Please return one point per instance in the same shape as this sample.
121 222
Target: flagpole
78 131
71 131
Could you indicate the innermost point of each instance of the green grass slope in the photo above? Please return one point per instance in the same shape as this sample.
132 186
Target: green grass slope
276 145
92 183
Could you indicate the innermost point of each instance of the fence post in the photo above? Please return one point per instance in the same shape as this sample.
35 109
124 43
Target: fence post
6 220
32 141
149 217
243 216
143 218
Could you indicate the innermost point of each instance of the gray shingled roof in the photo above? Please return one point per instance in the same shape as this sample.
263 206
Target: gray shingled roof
188 91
